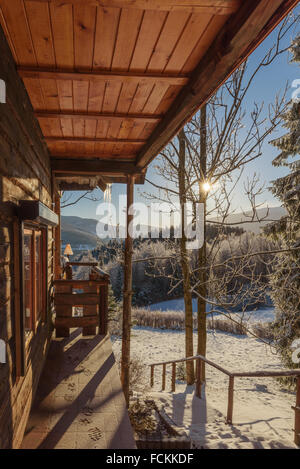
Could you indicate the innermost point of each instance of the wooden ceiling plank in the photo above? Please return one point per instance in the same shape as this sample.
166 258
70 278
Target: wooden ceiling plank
50 93
114 128
65 95
8 37
34 90
84 33
219 7
40 29
152 21
17 26
66 127
170 96
111 96
96 94
155 98
137 130
98 116
80 95
125 130
252 23
106 31
140 99
90 130
61 16
102 128
126 96
215 25
136 78
78 127
170 34
193 31
129 25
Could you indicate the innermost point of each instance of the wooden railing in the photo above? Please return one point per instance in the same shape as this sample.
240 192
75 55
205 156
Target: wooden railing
231 375
91 296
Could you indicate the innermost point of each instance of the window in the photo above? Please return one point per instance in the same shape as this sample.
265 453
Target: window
34 277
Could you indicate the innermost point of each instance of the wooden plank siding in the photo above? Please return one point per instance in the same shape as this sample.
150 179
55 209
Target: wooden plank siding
24 174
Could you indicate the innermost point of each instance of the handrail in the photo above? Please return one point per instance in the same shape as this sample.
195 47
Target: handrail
251 374
201 357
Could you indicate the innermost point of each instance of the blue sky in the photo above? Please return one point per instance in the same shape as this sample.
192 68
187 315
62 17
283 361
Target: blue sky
268 83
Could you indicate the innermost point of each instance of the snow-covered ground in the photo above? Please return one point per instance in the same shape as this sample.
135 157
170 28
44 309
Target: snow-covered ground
262 416
259 315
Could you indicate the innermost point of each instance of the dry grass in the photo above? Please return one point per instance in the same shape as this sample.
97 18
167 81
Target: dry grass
174 320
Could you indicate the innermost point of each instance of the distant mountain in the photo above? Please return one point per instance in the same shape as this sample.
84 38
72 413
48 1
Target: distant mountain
82 231
78 231
266 215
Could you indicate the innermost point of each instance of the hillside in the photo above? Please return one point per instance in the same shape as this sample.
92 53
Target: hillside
273 213
82 231
78 231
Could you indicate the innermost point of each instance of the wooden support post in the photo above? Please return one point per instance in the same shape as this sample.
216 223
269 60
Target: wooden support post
297 414
163 387
198 378
89 310
230 400
103 313
152 376
57 238
127 295
173 377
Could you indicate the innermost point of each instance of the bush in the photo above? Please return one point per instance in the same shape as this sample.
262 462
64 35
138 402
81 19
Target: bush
225 325
264 331
141 416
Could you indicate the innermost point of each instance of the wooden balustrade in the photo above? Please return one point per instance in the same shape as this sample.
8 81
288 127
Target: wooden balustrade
232 375
91 295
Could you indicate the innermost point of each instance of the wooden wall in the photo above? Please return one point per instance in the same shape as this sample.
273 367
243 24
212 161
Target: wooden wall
24 174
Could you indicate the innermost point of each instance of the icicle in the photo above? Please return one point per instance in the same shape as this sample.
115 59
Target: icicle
107 193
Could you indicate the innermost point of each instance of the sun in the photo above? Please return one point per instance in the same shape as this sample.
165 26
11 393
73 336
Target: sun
206 186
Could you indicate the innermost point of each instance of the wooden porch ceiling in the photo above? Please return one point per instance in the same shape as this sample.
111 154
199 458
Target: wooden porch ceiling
112 81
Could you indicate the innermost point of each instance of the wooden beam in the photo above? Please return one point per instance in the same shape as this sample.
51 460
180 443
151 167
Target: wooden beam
216 7
98 116
93 140
235 42
127 294
106 167
81 184
78 321
94 156
111 178
57 238
96 76
80 299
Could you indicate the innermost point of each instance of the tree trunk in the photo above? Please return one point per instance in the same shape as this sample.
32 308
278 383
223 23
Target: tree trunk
127 297
188 306
202 290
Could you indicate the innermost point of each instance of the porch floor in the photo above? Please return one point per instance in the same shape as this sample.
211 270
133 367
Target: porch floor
79 401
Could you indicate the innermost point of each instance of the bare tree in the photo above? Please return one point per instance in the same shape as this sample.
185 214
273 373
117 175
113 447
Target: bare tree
220 141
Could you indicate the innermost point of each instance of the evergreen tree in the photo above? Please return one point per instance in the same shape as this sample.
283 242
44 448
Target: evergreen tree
285 281
113 307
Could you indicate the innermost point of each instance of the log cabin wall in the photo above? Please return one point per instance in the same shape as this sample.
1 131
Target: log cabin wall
24 175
